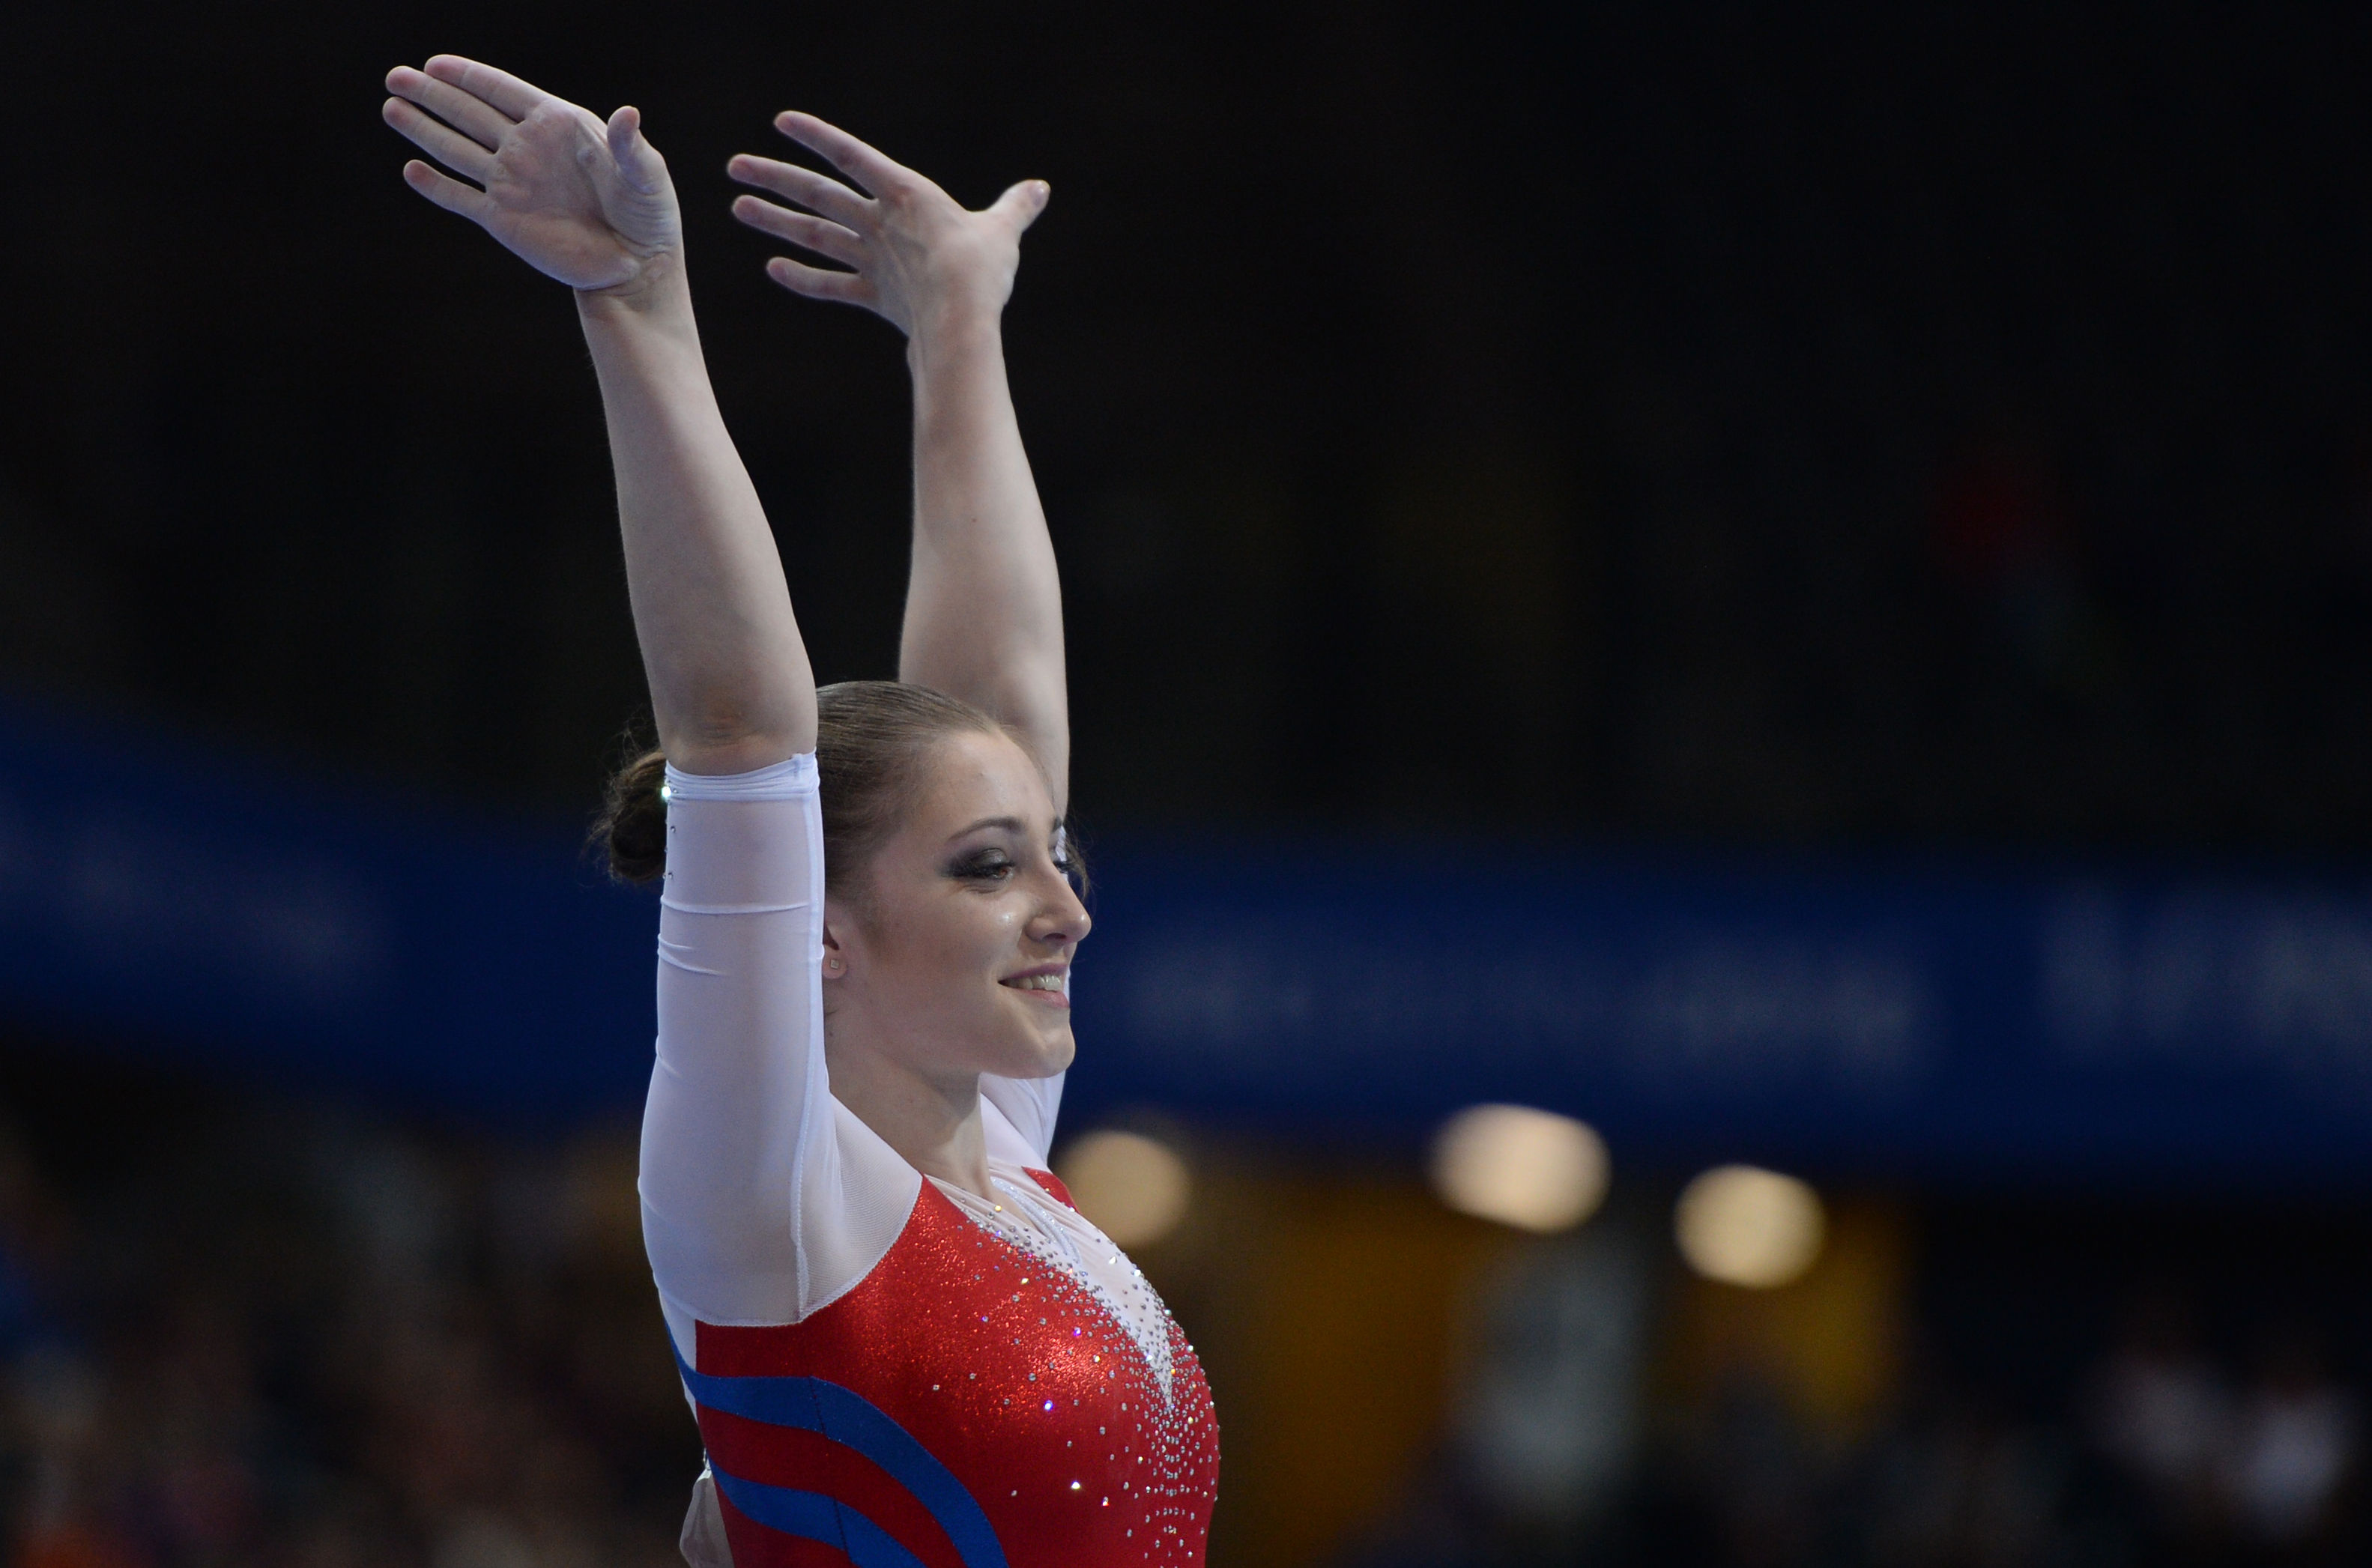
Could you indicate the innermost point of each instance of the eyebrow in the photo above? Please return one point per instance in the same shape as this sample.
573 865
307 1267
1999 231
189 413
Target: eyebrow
1010 824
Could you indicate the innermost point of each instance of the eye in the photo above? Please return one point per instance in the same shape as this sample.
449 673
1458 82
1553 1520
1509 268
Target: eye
982 866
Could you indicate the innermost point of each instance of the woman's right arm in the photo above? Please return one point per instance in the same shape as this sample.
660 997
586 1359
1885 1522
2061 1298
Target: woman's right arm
589 204
739 1092
730 685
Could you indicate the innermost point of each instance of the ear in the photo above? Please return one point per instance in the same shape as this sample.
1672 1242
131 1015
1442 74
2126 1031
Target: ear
835 956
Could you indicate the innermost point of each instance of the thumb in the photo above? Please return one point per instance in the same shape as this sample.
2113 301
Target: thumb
637 159
1021 204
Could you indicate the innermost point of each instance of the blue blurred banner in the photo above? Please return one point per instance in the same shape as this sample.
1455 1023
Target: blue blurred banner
1931 1021
1934 1020
180 902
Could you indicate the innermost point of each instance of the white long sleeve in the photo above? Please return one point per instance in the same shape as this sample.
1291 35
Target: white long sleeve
764 1199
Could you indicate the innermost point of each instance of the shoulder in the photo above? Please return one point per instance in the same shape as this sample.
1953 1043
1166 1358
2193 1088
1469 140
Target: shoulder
1053 1184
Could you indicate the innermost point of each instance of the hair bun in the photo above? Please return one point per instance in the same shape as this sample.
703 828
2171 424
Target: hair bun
873 739
631 825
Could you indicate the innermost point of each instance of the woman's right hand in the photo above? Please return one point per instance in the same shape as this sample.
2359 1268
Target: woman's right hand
584 202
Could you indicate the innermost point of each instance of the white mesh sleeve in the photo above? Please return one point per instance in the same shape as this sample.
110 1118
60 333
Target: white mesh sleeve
762 1197
1029 1105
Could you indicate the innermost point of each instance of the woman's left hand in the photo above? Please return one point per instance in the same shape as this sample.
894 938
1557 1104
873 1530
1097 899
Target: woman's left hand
917 258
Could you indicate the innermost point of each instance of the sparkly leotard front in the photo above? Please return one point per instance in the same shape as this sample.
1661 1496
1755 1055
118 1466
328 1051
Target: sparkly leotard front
886 1370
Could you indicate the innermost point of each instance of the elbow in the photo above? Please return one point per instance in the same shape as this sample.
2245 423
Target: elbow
720 740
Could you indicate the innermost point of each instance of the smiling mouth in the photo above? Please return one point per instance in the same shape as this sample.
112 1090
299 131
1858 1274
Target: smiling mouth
1041 987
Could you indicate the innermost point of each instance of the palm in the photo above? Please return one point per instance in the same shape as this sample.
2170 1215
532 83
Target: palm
911 248
560 201
584 203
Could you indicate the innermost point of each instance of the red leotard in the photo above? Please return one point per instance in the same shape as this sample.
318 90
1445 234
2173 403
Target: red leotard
886 1371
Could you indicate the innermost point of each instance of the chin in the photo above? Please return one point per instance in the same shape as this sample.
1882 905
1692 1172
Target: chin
1040 1059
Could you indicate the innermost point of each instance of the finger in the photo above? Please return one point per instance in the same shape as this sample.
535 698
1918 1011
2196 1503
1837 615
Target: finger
438 140
637 159
805 187
474 118
500 88
846 288
871 169
1021 203
447 192
803 229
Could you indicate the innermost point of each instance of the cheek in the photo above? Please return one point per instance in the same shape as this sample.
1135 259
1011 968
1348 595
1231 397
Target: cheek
964 937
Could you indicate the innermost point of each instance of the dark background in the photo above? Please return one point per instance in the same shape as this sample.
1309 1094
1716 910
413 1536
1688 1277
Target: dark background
1712 422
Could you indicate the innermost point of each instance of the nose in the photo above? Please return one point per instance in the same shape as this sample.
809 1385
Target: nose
1061 920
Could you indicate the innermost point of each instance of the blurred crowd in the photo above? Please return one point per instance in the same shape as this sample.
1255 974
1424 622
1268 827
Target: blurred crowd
266 1334
2162 1454
245 1330
2161 1457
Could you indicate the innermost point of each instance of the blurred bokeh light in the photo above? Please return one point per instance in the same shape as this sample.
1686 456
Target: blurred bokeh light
1532 1169
1137 1188
1747 1226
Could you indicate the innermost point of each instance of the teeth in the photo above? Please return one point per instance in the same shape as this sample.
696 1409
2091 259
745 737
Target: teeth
1038 982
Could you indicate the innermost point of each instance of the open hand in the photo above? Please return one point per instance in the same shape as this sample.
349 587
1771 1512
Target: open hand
579 200
914 253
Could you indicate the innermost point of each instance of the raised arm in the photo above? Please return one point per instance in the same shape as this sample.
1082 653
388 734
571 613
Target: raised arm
984 605
589 204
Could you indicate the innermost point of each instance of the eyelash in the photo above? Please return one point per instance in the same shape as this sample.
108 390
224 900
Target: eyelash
991 865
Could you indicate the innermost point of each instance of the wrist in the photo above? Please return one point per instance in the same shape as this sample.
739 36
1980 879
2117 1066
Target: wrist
951 329
658 290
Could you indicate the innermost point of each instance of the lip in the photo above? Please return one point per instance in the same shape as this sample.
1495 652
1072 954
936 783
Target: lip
1044 998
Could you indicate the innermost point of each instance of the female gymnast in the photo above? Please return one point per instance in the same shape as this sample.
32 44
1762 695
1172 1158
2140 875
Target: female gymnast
902 1343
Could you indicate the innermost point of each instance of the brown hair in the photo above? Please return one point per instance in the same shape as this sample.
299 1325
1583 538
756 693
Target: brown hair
871 738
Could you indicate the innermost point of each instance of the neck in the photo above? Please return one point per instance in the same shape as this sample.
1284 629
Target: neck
933 1122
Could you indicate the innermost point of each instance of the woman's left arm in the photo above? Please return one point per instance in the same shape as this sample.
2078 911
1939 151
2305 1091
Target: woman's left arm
984 604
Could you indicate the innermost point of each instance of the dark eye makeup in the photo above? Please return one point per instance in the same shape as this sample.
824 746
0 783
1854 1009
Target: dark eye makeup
990 863
984 864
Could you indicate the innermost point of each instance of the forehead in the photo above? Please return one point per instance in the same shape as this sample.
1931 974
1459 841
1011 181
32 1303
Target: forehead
975 775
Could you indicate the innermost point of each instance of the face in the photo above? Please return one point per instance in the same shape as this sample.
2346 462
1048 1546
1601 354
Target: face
958 960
